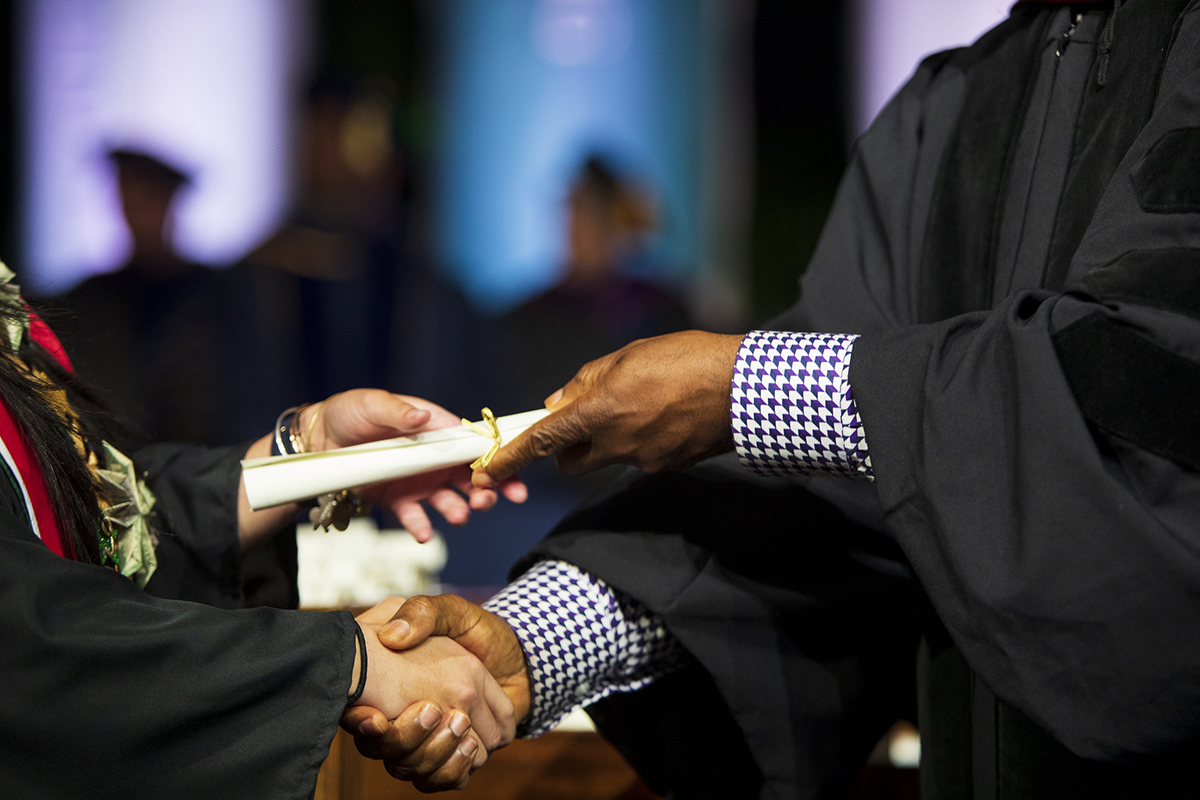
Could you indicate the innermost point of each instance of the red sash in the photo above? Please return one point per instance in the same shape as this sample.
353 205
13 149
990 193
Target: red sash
19 454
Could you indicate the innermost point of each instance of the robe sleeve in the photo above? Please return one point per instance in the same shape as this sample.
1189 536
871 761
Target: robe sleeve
1038 464
112 693
195 517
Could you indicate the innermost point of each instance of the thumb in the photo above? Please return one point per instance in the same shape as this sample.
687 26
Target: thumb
543 439
421 617
364 415
391 413
364 721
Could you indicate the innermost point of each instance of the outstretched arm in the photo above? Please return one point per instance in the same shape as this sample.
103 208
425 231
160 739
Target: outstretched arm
782 400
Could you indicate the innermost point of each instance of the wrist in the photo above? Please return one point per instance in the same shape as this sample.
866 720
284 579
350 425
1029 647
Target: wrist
381 686
297 430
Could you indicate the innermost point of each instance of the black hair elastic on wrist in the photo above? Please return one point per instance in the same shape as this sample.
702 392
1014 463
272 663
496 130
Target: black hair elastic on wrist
362 673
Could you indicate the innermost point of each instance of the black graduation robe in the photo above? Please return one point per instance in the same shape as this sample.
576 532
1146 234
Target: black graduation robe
1017 239
109 692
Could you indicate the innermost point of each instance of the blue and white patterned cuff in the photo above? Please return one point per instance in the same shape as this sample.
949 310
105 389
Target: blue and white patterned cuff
582 639
793 409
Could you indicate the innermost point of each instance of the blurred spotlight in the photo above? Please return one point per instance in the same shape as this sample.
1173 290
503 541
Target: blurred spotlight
206 84
892 36
575 32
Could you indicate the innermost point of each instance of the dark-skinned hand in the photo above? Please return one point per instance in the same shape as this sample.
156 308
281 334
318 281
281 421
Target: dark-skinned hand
657 404
434 750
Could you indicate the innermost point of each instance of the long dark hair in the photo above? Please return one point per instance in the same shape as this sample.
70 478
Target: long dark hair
29 382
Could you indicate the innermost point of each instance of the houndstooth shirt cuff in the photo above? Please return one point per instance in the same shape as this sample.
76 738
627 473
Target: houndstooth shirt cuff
583 640
793 408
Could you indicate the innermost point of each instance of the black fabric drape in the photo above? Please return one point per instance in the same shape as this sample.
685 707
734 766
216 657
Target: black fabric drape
803 618
111 693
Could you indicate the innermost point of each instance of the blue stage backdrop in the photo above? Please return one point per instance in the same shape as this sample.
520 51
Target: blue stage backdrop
529 89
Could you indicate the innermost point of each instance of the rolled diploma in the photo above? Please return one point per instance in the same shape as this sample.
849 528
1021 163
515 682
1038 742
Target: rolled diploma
288 479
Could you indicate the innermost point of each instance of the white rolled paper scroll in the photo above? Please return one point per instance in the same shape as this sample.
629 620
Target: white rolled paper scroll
287 479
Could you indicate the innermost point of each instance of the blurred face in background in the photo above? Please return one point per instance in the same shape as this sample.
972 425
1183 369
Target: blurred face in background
606 220
146 200
594 237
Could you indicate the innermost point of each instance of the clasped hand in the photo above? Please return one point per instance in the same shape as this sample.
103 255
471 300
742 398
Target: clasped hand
475 683
659 403
433 711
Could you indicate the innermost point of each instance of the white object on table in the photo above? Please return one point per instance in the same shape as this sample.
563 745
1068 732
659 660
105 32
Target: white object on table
361 565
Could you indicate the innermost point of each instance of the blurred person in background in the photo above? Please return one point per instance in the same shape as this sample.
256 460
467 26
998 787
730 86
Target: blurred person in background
158 333
599 302
175 349
343 296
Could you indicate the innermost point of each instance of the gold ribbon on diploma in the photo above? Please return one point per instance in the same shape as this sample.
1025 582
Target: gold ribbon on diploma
492 431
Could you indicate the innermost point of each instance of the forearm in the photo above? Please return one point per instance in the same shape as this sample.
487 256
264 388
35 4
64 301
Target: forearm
112 646
256 527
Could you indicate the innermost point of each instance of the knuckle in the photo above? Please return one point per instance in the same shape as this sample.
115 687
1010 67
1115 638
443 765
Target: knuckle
429 786
419 607
492 741
543 441
464 693
401 770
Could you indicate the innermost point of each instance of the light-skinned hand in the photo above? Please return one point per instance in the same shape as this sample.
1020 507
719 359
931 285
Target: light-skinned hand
487 637
438 670
367 415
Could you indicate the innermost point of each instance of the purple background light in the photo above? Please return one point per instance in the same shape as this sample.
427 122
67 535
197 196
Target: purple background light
892 36
203 84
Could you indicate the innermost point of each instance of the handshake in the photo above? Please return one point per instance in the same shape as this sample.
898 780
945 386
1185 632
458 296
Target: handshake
446 683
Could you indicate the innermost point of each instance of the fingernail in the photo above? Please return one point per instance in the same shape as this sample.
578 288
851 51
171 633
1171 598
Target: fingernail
429 716
467 748
367 727
459 724
397 629
415 417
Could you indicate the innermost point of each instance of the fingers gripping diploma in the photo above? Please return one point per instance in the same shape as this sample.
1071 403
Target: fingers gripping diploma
367 415
433 749
660 403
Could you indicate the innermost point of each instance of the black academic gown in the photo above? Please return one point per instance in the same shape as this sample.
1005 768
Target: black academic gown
110 692
1016 238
